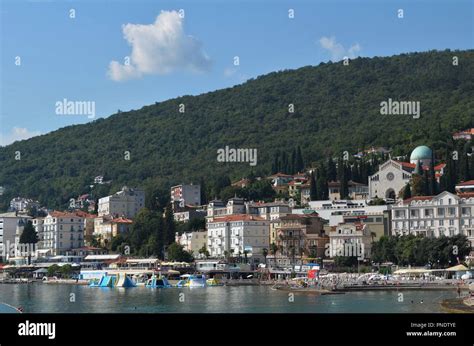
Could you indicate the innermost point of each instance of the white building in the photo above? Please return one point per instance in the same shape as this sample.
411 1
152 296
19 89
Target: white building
465 186
393 176
445 214
235 234
335 211
217 208
356 190
390 179
350 240
11 226
126 203
193 241
186 194
22 204
107 227
270 210
59 232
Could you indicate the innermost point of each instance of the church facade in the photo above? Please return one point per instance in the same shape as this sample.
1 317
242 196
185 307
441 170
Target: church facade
391 177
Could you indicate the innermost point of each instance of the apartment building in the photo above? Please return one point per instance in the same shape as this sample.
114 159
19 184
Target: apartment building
300 235
235 235
433 216
350 240
59 232
193 241
11 226
186 194
126 203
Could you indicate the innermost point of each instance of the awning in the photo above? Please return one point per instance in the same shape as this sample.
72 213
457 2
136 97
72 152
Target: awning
412 271
458 268
101 257
41 270
172 272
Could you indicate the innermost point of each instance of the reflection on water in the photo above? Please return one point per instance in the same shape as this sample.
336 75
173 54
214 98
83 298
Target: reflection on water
246 299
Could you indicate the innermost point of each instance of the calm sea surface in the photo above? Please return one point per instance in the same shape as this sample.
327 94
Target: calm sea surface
49 298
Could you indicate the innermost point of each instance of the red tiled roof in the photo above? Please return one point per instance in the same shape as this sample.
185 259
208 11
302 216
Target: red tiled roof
298 216
84 214
280 175
466 183
56 213
466 194
121 220
438 167
76 213
465 132
238 217
406 164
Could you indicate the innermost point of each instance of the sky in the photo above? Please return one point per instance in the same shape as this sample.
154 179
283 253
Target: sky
122 55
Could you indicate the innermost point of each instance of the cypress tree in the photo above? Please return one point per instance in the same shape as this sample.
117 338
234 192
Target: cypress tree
426 184
313 189
299 160
292 163
284 163
28 236
463 166
203 185
418 168
275 163
471 166
433 183
342 177
407 191
331 170
450 172
169 226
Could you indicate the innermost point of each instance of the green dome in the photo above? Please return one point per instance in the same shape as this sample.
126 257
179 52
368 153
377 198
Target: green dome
421 153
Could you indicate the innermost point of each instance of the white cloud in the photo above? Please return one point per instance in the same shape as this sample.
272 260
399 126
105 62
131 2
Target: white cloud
17 134
159 48
337 50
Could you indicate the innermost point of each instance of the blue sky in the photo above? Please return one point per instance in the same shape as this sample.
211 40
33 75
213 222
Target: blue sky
63 57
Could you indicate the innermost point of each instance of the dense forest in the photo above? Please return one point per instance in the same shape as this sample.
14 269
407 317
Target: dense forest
335 108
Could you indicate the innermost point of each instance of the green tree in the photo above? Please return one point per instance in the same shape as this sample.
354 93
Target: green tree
177 253
299 163
313 188
169 226
407 191
29 235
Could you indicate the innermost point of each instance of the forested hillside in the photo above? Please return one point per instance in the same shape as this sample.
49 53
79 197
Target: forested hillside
336 108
